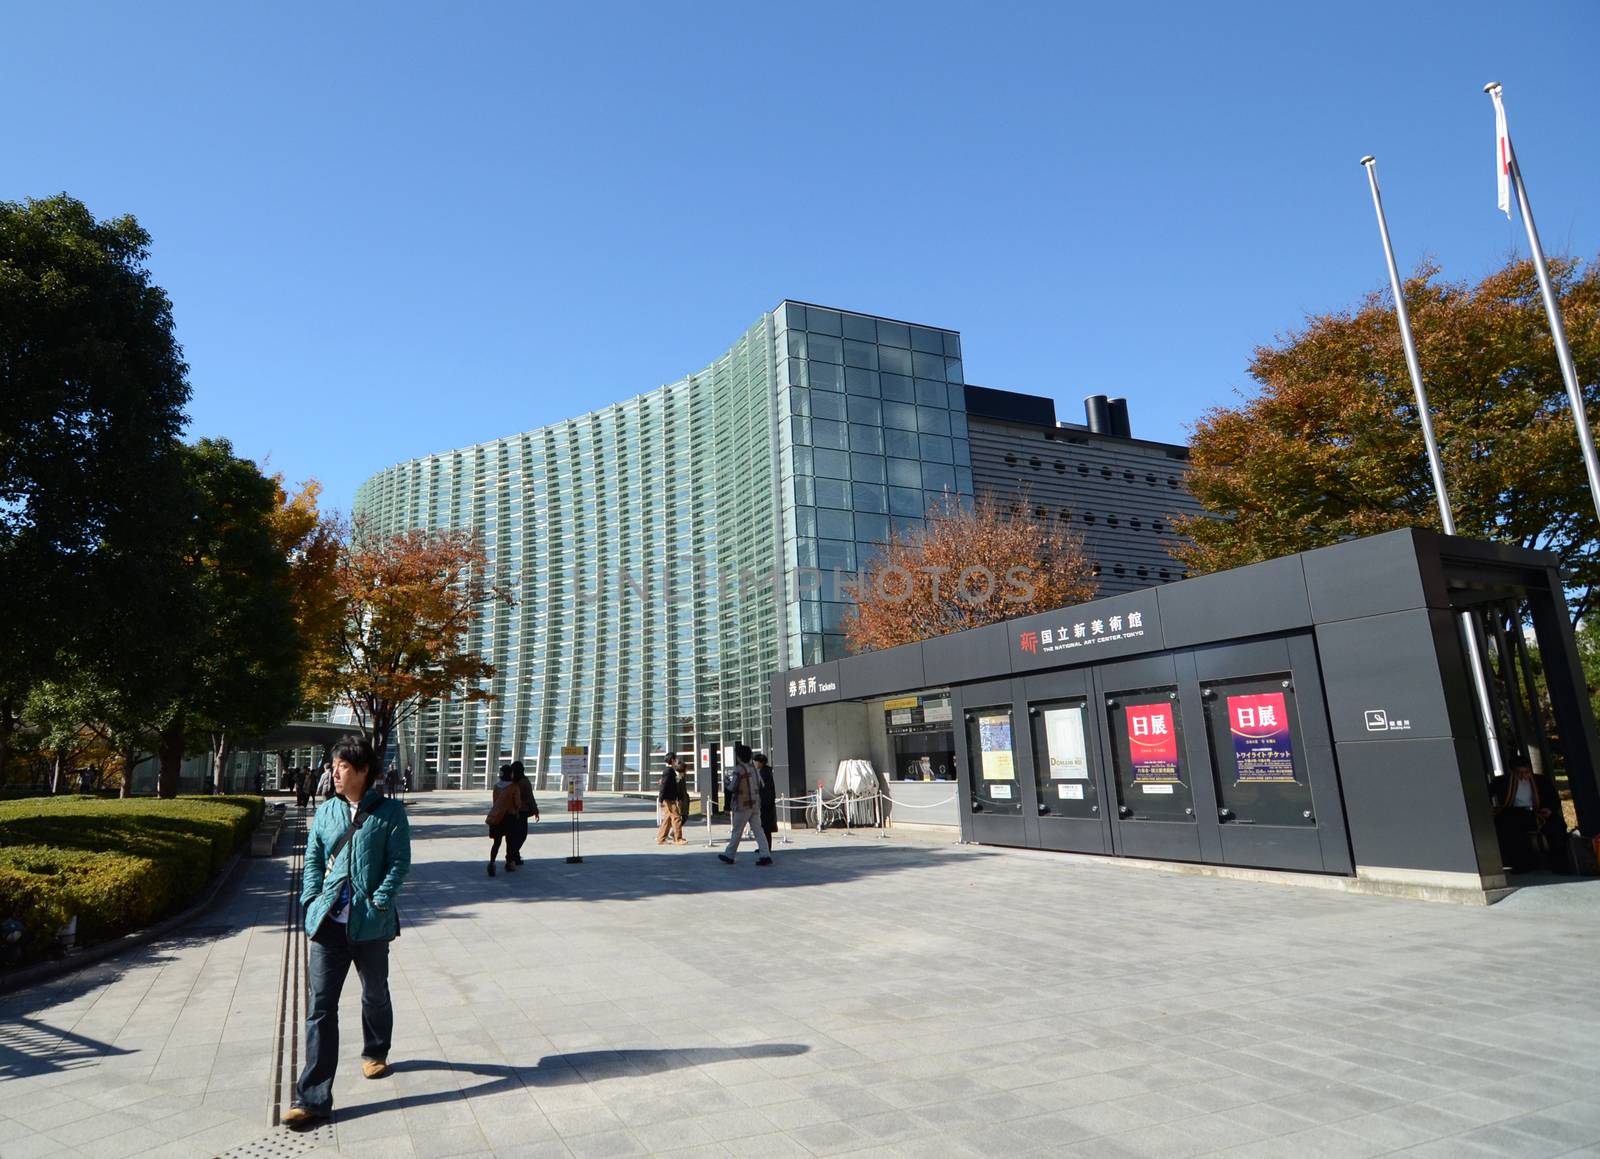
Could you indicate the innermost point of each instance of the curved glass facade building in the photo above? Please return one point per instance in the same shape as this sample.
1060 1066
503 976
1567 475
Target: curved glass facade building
660 548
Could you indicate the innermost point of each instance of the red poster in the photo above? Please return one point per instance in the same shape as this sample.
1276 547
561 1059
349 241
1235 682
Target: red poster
1152 743
1262 749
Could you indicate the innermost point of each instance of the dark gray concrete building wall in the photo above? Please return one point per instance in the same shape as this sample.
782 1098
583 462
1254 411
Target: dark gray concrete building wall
1120 494
1365 636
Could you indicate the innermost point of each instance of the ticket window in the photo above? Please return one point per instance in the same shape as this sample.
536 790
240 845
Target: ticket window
991 744
1147 744
921 738
928 756
1257 753
1062 779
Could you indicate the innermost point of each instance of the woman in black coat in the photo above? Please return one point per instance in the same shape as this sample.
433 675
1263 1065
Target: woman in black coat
769 797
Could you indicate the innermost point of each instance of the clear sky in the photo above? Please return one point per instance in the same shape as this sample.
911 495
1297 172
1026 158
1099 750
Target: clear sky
391 229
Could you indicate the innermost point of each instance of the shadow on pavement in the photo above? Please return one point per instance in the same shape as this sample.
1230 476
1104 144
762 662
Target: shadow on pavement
30 1047
562 1070
637 876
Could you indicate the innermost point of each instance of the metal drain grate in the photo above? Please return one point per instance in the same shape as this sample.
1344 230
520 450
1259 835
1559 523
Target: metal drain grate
283 1144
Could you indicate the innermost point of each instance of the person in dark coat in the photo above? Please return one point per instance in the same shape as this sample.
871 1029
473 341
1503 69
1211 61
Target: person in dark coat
769 797
672 796
527 808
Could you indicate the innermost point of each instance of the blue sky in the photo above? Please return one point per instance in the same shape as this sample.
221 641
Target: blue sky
392 229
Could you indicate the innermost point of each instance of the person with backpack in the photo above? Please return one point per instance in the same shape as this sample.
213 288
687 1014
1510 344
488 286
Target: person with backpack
527 808
502 817
326 787
743 783
357 856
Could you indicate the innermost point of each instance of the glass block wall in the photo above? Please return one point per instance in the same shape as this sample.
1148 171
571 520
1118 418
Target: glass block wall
874 432
641 543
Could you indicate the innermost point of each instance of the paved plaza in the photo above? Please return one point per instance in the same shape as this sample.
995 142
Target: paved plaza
864 996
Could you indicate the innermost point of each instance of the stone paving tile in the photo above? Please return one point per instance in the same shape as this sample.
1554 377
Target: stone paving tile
1280 1022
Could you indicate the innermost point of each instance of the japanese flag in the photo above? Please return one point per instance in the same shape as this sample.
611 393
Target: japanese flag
1502 153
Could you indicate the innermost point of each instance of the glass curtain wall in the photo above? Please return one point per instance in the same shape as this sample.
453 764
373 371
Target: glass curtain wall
639 543
874 432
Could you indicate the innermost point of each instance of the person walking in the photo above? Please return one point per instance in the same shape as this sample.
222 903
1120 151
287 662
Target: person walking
673 797
526 807
325 784
302 786
744 799
502 816
357 857
768 793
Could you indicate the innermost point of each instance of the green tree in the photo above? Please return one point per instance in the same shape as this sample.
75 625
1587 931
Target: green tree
1589 656
247 647
94 387
1330 446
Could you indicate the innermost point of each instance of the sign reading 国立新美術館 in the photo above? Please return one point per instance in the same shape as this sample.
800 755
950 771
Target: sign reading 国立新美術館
1115 626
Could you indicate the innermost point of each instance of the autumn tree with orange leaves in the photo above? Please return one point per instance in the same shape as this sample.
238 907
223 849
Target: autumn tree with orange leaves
401 633
1331 446
969 566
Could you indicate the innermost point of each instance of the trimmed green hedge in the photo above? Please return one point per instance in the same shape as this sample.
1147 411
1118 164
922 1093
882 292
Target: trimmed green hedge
117 865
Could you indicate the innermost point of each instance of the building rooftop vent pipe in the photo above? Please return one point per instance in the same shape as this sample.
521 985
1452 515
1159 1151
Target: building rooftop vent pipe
1098 409
1119 419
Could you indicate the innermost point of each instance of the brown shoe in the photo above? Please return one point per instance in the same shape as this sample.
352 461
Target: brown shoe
374 1068
299 1118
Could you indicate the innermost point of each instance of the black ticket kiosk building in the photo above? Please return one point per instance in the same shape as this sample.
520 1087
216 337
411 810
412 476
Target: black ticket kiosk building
1315 713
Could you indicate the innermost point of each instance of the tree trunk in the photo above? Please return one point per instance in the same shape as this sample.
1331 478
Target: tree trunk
170 749
382 728
129 758
221 752
55 775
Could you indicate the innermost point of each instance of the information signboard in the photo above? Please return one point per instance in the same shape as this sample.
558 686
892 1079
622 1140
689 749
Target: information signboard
575 775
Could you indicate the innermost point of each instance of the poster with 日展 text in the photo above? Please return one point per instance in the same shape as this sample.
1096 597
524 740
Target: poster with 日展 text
1152 743
994 746
1063 730
1262 750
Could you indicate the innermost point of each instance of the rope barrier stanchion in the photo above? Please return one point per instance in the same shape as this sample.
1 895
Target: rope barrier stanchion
705 808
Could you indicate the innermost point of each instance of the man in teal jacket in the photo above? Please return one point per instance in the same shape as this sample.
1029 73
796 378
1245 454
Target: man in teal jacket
357 854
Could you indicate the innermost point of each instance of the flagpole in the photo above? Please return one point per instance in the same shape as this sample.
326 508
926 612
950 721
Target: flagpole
1441 492
1552 309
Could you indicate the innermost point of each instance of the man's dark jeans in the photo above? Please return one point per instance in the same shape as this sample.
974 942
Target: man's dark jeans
332 955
